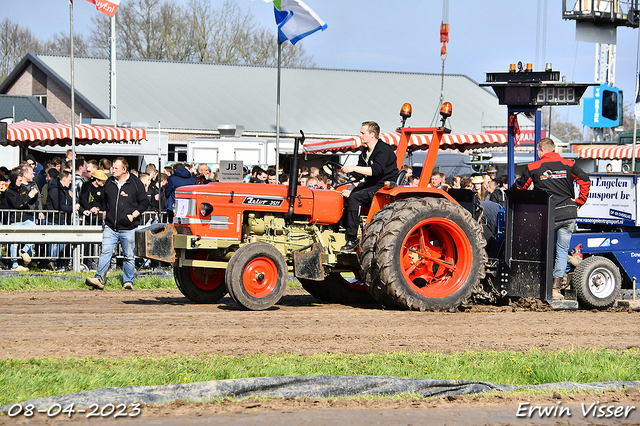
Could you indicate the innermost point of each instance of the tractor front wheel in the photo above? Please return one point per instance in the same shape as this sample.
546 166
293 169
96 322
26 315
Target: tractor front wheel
430 255
257 276
200 285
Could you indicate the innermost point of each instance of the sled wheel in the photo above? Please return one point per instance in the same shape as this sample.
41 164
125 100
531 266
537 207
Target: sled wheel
200 285
339 287
597 282
430 255
257 276
366 250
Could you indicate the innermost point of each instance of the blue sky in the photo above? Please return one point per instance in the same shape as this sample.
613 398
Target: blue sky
403 35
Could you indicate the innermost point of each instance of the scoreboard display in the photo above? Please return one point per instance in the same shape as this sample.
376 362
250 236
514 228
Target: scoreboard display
535 89
537 95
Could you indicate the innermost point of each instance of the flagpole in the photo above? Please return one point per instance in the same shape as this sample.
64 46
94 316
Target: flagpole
635 115
278 114
76 253
112 71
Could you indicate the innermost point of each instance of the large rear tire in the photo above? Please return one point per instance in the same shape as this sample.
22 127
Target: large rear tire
200 285
366 250
339 287
257 276
597 282
430 255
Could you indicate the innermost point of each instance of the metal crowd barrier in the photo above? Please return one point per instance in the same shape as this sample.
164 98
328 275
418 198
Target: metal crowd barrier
57 242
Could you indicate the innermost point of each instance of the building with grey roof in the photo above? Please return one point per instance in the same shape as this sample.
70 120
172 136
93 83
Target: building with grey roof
194 99
203 96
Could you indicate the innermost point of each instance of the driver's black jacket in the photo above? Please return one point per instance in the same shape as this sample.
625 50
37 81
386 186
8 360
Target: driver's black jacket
383 165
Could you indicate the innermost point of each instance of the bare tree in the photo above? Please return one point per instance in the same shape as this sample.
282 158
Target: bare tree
15 42
59 43
165 30
175 33
198 31
99 39
201 20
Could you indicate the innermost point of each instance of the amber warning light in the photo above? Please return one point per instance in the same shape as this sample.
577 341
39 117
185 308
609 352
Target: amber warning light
445 112
405 112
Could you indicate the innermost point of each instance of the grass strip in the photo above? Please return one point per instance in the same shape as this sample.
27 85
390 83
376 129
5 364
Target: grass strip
22 379
56 281
59 281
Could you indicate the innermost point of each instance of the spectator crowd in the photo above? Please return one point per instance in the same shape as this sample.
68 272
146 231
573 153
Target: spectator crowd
42 194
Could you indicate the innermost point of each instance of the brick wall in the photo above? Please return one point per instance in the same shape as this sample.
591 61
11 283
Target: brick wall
59 104
23 85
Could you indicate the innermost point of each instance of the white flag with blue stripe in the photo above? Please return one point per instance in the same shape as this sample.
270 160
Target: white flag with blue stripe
295 20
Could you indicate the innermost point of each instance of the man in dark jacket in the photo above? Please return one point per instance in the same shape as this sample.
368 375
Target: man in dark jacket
60 200
18 197
92 199
180 177
377 164
126 201
555 175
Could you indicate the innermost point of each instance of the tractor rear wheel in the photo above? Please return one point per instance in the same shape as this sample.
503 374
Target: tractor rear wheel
366 249
200 285
339 287
257 276
597 282
430 255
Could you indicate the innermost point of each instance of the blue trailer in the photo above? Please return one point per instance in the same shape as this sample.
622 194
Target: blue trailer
607 244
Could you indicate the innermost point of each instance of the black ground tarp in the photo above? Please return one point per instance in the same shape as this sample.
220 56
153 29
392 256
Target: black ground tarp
310 386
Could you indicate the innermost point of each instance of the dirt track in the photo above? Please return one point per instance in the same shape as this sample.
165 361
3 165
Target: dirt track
146 323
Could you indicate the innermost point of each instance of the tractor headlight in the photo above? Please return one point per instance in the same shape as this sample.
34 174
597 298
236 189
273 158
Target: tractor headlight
205 209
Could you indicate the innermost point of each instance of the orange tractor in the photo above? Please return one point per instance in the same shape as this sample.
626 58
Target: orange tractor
419 248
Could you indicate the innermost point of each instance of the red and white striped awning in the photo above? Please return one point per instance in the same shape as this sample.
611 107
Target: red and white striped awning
31 133
460 141
619 152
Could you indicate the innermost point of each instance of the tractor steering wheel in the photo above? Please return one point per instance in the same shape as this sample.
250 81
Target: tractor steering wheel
332 168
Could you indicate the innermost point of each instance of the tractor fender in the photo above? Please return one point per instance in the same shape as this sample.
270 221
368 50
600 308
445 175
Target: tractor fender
385 196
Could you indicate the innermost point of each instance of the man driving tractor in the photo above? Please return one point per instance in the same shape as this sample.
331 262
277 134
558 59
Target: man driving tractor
376 164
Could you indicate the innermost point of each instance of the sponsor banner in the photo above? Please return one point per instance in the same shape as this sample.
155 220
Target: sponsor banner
108 7
611 201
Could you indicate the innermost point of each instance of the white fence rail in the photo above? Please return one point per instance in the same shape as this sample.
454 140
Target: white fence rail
54 241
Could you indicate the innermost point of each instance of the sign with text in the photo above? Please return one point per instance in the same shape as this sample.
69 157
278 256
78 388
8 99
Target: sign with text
527 137
612 200
231 171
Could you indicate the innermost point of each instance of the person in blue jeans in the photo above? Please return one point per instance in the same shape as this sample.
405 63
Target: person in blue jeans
556 175
126 200
18 197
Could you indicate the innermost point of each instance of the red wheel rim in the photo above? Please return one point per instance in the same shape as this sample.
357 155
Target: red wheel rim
260 277
206 278
354 282
436 258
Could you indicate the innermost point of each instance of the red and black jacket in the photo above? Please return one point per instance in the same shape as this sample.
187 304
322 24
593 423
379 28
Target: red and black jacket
555 175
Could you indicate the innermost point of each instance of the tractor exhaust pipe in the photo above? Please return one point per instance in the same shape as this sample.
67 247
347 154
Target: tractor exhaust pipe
294 166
